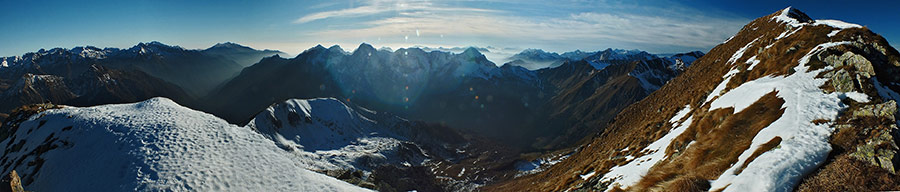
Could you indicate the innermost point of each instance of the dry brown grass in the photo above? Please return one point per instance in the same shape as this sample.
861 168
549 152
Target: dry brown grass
847 174
720 139
690 183
759 151
714 150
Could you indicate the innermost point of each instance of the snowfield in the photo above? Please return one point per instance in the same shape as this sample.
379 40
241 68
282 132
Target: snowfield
326 134
805 144
154 145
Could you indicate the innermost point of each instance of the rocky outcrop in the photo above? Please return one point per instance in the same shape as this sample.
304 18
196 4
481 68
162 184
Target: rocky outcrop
13 182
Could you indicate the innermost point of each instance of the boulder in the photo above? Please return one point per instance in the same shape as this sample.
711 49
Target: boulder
842 81
879 150
13 182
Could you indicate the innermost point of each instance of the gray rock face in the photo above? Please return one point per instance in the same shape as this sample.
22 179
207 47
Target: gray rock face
879 148
841 81
862 65
884 110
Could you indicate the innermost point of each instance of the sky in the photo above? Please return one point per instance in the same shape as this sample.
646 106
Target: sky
656 26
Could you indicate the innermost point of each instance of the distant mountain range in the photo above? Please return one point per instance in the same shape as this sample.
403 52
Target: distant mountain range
463 90
788 103
417 116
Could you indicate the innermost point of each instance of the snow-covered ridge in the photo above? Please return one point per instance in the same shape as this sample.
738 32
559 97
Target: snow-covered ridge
151 146
795 18
326 134
805 144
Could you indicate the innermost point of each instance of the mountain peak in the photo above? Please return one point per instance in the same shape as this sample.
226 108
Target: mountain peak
365 48
229 45
336 48
153 46
471 51
792 15
621 54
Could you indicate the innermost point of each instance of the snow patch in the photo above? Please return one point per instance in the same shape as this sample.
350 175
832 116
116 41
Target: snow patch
678 116
884 91
539 165
721 87
588 175
784 18
786 34
837 24
631 172
753 62
740 52
804 145
833 33
856 96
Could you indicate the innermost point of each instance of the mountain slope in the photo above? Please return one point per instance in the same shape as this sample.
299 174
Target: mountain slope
193 70
196 71
586 102
759 112
533 59
94 86
160 145
463 91
242 55
152 145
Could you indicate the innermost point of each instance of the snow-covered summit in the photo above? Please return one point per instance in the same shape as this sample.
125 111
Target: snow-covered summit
154 48
154 145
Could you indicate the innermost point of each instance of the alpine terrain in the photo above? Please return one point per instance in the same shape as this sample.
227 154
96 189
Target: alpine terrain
788 103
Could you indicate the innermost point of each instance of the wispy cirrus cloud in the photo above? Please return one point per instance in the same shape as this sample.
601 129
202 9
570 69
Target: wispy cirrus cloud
558 27
378 7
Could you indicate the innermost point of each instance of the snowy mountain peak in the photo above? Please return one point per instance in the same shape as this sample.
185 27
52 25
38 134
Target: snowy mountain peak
154 47
154 145
792 16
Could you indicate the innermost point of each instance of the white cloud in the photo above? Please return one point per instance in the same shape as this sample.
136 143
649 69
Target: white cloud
682 29
378 7
363 10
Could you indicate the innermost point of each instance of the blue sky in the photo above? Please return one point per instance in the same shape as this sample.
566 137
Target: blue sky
657 26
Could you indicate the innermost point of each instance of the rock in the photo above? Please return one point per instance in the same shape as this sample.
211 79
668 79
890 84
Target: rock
879 150
863 66
791 49
834 61
841 81
15 183
885 110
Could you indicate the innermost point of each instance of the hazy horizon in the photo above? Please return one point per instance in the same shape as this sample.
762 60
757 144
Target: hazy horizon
653 26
